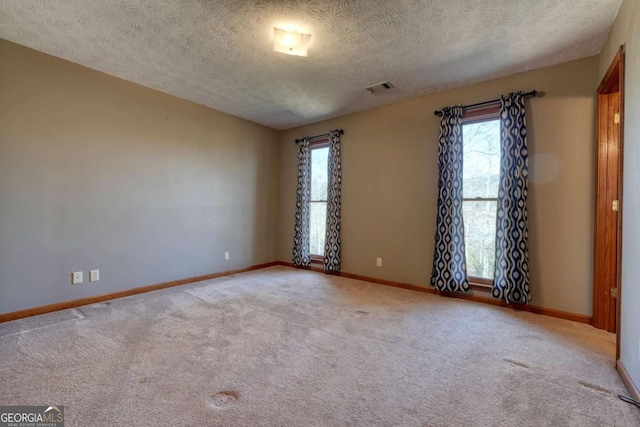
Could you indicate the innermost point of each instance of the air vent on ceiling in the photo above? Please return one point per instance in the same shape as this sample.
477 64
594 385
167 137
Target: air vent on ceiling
378 87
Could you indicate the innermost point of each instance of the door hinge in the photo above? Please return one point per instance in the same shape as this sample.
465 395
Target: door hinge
614 206
614 292
616 118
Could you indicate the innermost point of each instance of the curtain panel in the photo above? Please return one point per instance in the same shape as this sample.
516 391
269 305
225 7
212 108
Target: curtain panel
449 271
334 195
511 278
301 231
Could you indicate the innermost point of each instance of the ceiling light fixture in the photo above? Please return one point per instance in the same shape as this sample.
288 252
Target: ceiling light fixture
290 42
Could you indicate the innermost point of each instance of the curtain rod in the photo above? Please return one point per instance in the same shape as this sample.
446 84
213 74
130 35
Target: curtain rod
493 101
324 135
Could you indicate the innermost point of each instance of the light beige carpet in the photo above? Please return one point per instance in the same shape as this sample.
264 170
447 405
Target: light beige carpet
285 347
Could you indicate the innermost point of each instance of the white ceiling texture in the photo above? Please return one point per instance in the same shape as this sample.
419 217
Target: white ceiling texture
219 53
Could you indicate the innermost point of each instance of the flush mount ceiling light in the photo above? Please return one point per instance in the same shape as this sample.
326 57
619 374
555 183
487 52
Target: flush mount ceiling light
290 42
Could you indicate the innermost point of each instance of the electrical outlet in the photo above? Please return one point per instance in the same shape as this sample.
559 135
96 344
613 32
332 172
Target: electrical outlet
76 277
226 256
94 275
379 262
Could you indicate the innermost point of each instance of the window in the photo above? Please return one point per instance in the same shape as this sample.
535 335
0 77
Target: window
480 175
318 200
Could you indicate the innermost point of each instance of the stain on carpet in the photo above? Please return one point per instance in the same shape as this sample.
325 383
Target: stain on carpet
530 337
224 399
595 388
516 363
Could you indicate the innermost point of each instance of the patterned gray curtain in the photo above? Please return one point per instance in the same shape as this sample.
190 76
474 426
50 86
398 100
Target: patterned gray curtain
449 264
332 239
301 232
511 278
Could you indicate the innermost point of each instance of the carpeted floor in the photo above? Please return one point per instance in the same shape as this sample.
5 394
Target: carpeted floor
285 347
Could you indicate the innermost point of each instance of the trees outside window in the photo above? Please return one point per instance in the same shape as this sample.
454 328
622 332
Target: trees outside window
481 174
318 200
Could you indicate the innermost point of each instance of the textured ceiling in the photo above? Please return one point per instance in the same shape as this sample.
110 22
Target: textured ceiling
219 53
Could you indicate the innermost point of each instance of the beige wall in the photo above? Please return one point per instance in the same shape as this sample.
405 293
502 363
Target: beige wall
96 172
626 30
100 173
390 183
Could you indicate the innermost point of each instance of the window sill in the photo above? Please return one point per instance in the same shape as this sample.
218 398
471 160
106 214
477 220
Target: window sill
316 259
481 285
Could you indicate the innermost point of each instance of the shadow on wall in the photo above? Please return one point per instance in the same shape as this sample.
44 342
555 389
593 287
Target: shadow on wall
265 209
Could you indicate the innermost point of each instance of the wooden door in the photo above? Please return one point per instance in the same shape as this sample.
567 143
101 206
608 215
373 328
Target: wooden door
608 203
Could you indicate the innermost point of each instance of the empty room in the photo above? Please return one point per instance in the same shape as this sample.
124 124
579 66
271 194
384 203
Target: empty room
319 213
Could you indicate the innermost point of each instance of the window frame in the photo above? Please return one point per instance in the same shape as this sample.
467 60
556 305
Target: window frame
480 115
321 143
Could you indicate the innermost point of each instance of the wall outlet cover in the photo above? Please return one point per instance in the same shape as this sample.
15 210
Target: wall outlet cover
76 277
94 275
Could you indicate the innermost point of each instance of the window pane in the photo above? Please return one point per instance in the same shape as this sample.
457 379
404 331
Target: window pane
317 226
481 155
319 162
480 237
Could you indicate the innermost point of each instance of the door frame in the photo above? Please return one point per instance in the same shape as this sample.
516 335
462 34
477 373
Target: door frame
612 82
